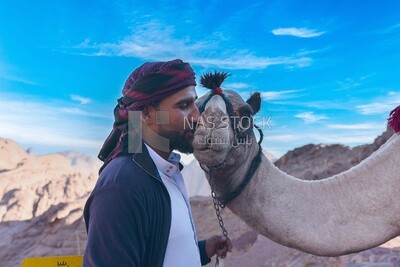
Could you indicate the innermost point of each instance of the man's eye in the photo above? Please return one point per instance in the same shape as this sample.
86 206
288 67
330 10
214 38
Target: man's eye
183 105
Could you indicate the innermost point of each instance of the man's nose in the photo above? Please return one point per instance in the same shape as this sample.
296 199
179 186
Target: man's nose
195 114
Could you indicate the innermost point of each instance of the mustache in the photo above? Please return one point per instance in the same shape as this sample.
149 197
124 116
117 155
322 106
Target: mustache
192 127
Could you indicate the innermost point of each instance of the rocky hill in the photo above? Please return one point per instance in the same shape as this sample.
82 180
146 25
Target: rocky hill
42 198
41 202
314 162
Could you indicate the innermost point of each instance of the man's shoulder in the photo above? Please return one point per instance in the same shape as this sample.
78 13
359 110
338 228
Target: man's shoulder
124 172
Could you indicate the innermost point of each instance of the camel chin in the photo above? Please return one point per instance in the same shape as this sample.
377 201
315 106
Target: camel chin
210 156
211 146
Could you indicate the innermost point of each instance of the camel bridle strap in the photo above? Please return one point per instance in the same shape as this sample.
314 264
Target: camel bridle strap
255 163
250 173
224 200
213 168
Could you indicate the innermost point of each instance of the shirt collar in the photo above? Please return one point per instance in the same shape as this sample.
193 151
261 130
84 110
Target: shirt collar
167 167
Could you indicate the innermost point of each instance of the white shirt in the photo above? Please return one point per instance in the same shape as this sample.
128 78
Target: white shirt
182 249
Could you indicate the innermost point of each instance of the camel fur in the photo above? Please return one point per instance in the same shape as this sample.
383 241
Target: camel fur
346 213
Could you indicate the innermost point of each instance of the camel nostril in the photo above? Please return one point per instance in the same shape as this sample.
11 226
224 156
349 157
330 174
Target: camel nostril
208 141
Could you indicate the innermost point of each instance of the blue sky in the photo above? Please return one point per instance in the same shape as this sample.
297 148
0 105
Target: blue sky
328 71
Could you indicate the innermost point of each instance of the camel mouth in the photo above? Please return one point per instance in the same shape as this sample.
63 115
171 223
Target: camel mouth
208 152
208 156
202 145
216 140
201 148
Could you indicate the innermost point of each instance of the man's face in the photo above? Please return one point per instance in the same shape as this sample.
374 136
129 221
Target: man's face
177 117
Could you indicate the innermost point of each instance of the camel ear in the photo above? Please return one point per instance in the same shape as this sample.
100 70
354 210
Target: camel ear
245 110
255 102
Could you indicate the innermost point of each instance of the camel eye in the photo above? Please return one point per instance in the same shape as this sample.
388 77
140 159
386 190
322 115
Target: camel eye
245 122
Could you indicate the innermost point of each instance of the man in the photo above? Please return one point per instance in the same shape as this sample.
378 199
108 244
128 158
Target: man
138 213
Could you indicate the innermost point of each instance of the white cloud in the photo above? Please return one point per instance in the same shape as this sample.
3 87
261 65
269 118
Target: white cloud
310 117
357 126
80 112
381 105
149 41
353 82
155 41
374 108
82 100
391 29
10 73
297 32
348 83
248 61
283 137
235 86
15 78
278 95
40 123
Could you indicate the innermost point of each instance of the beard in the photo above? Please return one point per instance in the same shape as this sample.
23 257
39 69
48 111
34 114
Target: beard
179 141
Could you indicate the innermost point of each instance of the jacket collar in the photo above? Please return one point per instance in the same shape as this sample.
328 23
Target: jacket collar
144 161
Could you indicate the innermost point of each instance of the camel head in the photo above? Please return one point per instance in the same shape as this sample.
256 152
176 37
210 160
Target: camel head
225 126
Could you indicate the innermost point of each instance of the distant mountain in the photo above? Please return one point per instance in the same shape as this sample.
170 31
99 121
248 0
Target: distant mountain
83 162
42 198
11 154
314 162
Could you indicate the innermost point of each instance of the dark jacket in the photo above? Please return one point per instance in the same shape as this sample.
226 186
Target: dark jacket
128 215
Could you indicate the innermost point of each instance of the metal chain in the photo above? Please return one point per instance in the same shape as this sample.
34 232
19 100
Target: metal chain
217 206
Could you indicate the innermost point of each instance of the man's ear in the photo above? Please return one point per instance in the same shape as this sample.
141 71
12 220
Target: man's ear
255 102
148 115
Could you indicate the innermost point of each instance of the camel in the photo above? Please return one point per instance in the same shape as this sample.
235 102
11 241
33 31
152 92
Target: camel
346 213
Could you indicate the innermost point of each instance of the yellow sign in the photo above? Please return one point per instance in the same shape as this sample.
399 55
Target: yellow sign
56 261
